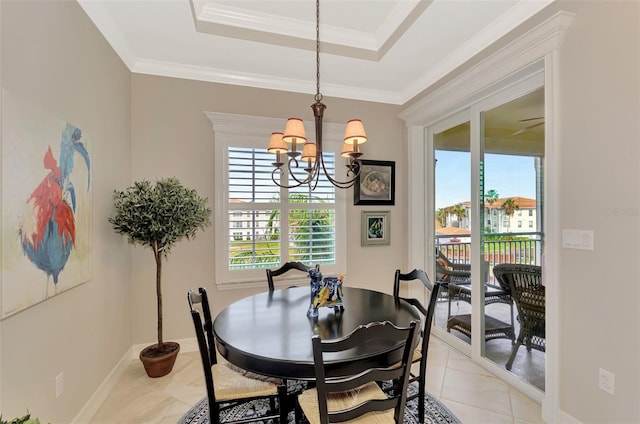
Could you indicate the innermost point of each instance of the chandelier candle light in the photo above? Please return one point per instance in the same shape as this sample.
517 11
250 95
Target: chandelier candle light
294 134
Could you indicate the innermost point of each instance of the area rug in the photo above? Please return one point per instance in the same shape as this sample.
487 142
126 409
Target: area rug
436 412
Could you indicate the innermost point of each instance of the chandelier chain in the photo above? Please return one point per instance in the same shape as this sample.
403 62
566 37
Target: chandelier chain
318 96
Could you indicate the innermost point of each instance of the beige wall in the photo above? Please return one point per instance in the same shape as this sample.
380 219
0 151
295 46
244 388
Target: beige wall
54 59
151 127
599 93
173 137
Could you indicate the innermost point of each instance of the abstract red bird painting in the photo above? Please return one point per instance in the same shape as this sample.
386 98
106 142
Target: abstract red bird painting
50 204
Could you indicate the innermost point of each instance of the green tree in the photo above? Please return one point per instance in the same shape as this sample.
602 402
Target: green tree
157 216
311 233
491 197
510 207
460 212
441 216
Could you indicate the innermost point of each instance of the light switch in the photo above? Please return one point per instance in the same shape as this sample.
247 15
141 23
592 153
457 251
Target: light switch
577 239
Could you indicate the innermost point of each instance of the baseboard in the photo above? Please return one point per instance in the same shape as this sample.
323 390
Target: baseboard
97 399
564 418
94 403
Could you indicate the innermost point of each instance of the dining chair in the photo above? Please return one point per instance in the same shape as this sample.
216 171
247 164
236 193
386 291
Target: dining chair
528 293
353 396
420 353
226 387
286 267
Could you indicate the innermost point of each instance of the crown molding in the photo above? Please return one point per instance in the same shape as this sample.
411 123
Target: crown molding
490 34
102 19
517 55
222 76
212 17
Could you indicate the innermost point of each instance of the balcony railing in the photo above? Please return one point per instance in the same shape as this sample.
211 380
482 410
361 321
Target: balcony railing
497 248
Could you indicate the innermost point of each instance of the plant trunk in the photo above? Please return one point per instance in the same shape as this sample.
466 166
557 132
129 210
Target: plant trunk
158 256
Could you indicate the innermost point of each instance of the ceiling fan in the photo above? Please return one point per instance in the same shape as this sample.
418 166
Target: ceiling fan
529 127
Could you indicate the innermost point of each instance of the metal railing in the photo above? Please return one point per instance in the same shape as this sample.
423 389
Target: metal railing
497 248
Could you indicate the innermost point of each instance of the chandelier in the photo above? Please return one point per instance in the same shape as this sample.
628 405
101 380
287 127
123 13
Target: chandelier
294 135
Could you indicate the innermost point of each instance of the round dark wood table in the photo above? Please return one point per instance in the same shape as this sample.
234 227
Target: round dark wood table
270 333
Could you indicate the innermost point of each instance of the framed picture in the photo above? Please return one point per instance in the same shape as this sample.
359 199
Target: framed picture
375 228
376 184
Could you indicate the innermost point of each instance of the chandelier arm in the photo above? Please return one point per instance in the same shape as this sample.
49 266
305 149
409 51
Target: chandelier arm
349 182
312 178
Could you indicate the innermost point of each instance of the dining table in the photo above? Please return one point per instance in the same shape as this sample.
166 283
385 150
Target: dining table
270 333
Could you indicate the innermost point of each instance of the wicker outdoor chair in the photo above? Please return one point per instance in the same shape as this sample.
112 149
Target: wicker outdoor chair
525 283
451 272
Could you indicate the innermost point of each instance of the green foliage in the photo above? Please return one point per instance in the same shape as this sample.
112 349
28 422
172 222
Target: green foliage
311 233
22 420
158 215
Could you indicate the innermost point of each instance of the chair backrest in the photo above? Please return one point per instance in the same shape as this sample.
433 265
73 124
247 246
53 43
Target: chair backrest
377 332
418 275
206 344
527 291
286 267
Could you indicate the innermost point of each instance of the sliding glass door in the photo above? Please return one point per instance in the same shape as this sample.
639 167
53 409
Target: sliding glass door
488 202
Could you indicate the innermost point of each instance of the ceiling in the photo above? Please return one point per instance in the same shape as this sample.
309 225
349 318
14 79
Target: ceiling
376 50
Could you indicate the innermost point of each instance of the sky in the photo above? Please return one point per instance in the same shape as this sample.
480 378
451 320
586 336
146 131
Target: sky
509 175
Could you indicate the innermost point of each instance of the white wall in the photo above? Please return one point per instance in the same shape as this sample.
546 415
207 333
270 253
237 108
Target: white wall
599 92
54 59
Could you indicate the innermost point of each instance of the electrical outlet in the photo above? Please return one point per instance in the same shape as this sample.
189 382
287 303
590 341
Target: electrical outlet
607 381
59 384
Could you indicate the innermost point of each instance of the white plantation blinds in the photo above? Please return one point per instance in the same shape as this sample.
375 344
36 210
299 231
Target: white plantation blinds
259 237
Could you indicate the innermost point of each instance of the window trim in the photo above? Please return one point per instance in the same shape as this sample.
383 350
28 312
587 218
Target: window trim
251 131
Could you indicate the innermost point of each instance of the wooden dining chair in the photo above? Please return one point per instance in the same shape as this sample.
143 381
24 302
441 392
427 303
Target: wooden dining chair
226 387
355 396
286 267
420 353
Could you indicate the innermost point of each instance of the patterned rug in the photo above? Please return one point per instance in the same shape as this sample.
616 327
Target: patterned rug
436 412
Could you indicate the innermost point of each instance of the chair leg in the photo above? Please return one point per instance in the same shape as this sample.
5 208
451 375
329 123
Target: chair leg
282 402
513 353
421 394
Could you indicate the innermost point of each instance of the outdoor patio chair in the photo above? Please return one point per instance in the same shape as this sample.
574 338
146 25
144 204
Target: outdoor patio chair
451 272
528 293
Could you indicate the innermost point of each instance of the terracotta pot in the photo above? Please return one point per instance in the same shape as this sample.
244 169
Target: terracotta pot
159 362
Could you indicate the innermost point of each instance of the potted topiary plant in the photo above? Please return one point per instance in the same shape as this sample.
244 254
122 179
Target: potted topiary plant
157 216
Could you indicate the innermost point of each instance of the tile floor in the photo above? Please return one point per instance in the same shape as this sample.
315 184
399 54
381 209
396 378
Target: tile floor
473 394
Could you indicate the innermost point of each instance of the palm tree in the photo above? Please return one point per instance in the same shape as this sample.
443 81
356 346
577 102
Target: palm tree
441 216
459 211
510 207
491 198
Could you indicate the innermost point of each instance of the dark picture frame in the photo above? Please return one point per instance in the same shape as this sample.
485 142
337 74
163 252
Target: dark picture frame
375 228
376 184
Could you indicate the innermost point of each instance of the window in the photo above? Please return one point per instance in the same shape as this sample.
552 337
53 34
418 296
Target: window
278 225
530 212
519 213
530 224
519 224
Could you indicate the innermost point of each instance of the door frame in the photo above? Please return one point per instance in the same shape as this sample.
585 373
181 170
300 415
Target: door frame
533 52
